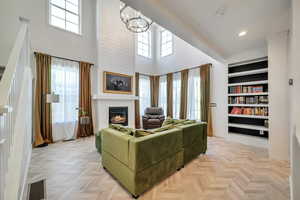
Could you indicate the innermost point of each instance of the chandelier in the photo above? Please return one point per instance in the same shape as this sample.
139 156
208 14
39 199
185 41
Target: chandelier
134 20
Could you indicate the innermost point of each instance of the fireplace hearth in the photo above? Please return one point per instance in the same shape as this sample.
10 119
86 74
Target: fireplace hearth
118 115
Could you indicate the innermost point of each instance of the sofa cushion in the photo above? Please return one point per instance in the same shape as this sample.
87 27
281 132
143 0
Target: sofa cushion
141 133
164 128
116 143
123 129
149 150
191 132
168 121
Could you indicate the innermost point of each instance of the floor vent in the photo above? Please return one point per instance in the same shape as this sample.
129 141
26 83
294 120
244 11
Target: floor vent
37 190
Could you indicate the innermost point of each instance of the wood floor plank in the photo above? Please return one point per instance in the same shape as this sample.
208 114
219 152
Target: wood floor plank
229 171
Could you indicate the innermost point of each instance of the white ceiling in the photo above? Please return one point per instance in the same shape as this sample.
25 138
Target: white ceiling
216 23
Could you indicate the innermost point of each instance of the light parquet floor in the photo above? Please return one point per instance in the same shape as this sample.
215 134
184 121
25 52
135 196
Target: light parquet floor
229 171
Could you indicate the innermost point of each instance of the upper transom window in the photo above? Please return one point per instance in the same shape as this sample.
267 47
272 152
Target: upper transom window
65 14
144 44
166 44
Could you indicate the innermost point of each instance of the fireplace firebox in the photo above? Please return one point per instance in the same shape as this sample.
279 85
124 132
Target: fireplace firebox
118 115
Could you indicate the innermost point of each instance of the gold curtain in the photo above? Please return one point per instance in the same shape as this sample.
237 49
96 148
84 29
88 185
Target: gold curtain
154 90
206 114
184 91
137 102
170 95
42 109
85 99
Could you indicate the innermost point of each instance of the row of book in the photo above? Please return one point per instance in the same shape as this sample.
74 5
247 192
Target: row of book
245 89
250 111
248 100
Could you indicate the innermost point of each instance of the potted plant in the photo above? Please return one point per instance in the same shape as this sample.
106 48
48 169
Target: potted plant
84 119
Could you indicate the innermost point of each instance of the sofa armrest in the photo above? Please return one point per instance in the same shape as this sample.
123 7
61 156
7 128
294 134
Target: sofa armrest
116 143
149 150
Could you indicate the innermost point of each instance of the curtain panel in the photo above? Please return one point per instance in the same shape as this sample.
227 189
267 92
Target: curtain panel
144 93
170 95
162 96
176 94
65 83
137 102
206 114
85 100
184 91
194 95
154 90
42 109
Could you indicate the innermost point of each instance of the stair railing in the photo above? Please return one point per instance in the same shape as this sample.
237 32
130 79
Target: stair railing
16 117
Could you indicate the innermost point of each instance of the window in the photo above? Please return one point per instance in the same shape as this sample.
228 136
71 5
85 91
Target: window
65 83
65 14
176 94
166 44
194 97
162 101
144 91
144 44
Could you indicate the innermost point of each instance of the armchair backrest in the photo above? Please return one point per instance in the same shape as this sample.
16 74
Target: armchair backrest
154 111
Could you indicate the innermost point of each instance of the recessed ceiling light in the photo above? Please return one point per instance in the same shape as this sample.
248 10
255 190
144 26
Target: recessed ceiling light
242 33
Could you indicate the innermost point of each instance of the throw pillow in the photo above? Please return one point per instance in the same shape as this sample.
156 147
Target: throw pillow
123 129
141 133
168 121
164 128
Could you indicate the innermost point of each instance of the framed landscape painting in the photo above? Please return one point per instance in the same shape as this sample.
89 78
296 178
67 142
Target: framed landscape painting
117 83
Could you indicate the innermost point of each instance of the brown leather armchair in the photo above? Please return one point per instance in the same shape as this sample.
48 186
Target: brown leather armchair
153 117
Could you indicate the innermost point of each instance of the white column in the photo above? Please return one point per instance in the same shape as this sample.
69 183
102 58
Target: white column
278 96
294 101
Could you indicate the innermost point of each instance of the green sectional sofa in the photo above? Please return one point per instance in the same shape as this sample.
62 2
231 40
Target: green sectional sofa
139 162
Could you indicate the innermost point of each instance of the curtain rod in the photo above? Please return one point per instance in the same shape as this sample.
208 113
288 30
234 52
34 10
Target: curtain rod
64 58
210 64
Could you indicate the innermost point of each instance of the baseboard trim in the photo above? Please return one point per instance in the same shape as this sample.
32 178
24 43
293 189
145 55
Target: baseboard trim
291 188
25 182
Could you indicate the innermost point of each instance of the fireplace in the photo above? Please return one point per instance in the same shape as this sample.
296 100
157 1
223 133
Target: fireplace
118 115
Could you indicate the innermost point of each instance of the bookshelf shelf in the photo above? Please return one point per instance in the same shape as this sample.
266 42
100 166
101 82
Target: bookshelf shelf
249 116
258 71
249 105
249 83
247 126
248 94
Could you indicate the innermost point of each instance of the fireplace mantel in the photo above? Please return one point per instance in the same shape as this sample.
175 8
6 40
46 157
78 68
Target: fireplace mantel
115 97
101 104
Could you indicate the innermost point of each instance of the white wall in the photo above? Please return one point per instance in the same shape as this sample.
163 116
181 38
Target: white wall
115 43
147 65
278 96
249 54
9 23
51 40
294 100
184 56
115 51
46 38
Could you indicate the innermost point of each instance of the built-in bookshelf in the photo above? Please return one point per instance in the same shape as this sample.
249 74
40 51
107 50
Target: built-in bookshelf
248 98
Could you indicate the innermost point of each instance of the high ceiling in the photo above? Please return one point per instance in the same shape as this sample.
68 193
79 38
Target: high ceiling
213 26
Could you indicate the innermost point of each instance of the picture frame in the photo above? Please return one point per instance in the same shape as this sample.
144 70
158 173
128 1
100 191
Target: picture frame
116 83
